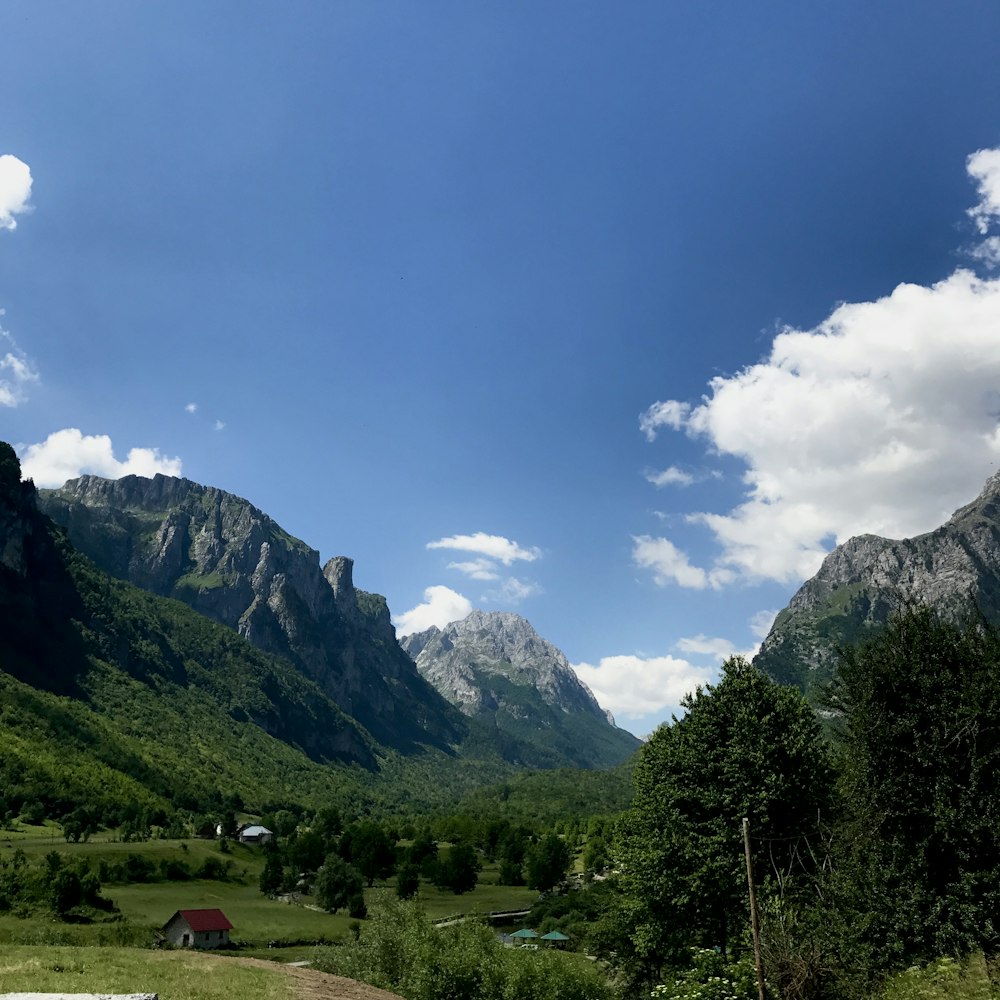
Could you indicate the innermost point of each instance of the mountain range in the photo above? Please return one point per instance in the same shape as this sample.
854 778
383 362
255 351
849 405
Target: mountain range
229 561
169 642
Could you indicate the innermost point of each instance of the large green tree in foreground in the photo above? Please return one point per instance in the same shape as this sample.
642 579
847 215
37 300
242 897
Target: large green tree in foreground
745 747
921 780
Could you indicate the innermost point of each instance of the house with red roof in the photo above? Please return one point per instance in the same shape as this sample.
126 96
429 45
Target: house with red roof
198 929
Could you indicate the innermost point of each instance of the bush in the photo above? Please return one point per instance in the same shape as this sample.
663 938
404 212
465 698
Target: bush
400 951
710 977
944 979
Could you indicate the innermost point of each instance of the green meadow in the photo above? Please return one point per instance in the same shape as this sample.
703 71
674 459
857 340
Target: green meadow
262 926
173 975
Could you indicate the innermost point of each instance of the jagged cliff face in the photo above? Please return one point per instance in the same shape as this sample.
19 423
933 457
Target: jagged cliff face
231 562
496 668
862 582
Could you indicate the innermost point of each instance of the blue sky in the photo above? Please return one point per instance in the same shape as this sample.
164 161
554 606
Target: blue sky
616 315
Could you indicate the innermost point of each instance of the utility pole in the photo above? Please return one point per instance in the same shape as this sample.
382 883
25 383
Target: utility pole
754 919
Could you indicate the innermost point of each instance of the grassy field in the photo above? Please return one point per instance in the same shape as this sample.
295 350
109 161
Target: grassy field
485 898
257 920
187 976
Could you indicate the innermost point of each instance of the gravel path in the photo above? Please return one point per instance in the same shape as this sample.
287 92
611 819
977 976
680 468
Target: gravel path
310 984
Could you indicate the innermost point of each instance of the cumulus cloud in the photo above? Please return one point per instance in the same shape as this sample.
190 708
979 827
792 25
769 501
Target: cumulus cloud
219 425
670 565
68 453
703 645
639 686
191 408
477 569
16 371
671 476
669 413
761 622
984 169
882 419
441 606
496 547
15 190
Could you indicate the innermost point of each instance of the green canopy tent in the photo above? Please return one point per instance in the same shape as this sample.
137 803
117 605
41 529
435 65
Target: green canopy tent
524 935
556 938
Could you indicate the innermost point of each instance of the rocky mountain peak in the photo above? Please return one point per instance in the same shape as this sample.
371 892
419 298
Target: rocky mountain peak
339 573
867 578
494 665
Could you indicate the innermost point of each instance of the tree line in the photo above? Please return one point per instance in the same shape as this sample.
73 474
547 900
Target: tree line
875 835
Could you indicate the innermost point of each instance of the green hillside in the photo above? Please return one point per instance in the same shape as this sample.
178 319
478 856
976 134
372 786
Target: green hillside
119 700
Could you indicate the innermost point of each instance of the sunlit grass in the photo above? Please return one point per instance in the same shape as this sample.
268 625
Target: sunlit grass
176 975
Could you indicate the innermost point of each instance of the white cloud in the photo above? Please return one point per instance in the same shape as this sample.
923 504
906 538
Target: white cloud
492 546
761 622
703 645
988 251
513 591
984 168
191 408
15 190
882 419
641 686
670 565
67 454
670 476
669 413
441 606
219 425
16 372
477 569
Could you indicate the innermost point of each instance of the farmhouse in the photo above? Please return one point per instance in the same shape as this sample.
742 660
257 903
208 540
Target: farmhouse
254 834
198 929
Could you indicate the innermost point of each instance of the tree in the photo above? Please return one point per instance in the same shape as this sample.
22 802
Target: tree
921 763
337 883
595 854
746 747
547 862
371 851
306 851
407 880
272 874
458 871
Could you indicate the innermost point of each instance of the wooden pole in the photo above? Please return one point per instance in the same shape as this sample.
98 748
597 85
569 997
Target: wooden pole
754 919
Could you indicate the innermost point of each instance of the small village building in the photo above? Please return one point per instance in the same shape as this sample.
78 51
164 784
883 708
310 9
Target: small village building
254 834
198 929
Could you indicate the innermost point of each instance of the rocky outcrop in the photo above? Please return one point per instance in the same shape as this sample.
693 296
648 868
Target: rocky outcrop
861 583
231 562
496 668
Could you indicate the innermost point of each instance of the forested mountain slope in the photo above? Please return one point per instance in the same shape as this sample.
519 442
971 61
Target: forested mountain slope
231 562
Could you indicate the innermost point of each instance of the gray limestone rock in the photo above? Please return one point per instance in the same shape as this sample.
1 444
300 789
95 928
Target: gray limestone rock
494 666
861 583
231 562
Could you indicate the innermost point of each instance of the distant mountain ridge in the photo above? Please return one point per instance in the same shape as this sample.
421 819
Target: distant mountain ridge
231 562
867 578
496 668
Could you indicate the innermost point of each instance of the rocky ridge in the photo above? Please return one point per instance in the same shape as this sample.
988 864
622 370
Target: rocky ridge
867 578
496 668
231 562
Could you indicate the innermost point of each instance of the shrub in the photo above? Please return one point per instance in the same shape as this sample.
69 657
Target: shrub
399 950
